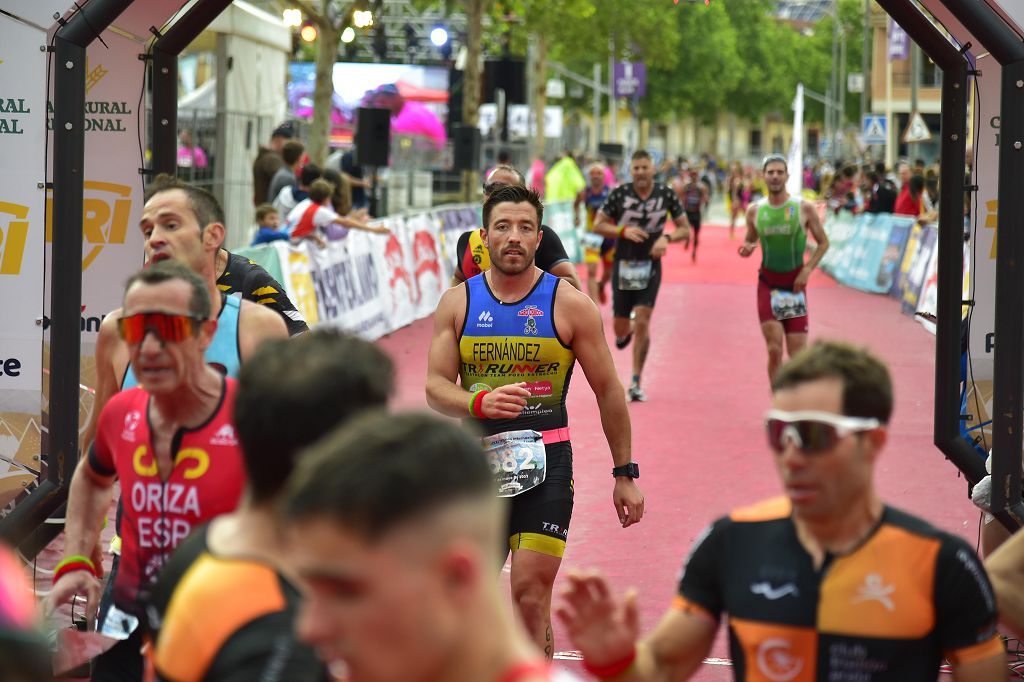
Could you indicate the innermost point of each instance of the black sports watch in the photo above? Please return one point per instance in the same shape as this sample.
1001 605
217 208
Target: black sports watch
631 470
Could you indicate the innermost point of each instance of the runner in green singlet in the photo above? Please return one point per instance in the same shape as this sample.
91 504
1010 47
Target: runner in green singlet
780 223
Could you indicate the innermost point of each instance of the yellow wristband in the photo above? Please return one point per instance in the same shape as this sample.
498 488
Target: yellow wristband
75 558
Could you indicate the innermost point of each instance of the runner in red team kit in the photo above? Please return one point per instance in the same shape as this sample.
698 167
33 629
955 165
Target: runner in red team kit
171 444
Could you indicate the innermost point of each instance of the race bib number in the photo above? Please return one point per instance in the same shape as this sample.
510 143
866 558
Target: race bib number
518 461
592 240
788 304
118 624
634 275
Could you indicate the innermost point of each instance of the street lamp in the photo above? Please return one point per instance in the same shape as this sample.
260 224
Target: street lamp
439 36
292 18
308 32
362 18
348 35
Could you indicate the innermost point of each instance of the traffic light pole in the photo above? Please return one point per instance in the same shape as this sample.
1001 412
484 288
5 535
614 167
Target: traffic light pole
597 88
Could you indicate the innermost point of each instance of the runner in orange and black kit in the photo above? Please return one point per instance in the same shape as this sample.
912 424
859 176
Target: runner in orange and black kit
826 583
172 445
505 343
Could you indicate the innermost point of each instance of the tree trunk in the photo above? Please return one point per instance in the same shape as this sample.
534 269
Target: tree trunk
474 53
540 96
319 133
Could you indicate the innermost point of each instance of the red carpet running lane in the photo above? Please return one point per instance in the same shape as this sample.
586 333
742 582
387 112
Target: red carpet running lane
699 439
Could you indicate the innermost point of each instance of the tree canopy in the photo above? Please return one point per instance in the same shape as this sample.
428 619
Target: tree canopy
702 60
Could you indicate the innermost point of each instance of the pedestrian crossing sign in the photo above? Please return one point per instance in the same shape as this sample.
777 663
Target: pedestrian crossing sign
875 129
917 131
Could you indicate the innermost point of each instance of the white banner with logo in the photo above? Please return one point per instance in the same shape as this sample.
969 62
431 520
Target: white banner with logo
22 230
983 237
112 247
22 206
370 284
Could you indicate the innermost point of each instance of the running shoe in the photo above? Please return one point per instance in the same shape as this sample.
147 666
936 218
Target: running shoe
636 394
623 341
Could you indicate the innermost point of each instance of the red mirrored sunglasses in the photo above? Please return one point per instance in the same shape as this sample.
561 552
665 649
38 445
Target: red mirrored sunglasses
167 327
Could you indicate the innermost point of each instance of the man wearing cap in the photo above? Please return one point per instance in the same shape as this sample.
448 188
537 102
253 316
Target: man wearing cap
780 223
268 162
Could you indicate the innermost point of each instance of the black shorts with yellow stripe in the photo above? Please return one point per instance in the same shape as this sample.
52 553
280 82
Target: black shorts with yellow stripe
539 518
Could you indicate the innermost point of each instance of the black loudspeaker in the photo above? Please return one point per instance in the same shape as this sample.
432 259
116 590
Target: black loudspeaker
507 74
465 147
611 150
455 87
373 136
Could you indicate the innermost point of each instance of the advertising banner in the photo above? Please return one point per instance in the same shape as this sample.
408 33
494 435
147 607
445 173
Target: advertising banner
452 222
906 260
867 251
899 232
371 285
983 229
560 217
22 232
927 302
864 252
22 205
112 247
842 230
899 42
920 261
349 287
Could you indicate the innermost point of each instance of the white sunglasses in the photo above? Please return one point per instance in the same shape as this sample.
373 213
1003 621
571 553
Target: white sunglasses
812 431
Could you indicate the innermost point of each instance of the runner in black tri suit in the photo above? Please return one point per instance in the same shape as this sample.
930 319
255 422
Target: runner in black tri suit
240 275
825 583
636 212
694 194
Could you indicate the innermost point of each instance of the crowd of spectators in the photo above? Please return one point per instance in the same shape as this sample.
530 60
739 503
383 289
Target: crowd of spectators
298 200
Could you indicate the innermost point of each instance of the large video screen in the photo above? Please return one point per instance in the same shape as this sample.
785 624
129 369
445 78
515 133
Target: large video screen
416 95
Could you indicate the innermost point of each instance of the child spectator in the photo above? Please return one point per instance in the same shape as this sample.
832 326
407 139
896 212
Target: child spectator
312 217
268 225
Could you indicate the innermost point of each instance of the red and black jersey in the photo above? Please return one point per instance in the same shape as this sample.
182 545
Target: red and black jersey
887 611
207 480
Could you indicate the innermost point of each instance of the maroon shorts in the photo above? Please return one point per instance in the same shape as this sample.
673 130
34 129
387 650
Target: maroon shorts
768 280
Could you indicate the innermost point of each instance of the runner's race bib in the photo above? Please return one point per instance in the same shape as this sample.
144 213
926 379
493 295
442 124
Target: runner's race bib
634 274
518 461
788 304
592 240
118 624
